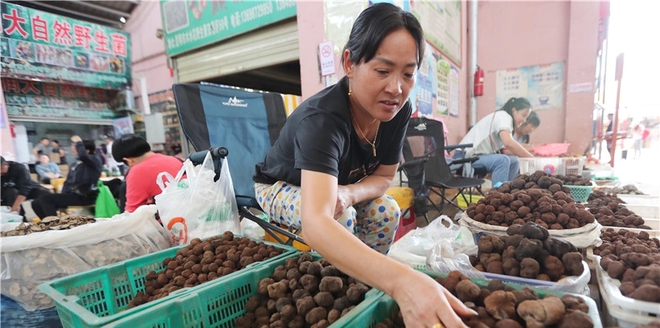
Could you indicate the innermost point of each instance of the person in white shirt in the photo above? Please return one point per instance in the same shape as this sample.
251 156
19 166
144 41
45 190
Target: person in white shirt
493 133
110 161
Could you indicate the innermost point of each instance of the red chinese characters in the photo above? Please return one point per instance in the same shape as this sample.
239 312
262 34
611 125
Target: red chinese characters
118 44
40 29
15 23
30 88
62 32
67 91
101 41
50 89
83 92
99 95
10 85
82 36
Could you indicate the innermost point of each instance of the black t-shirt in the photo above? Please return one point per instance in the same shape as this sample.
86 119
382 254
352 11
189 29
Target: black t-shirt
18 177
319 137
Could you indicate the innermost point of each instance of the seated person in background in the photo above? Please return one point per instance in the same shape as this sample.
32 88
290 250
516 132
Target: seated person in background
176 149
523 131
43 147
47 170
80 187
493 133
144 166
59 151
17 186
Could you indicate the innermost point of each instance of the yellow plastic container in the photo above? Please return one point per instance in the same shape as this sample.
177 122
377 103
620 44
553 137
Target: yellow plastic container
461 202
57 184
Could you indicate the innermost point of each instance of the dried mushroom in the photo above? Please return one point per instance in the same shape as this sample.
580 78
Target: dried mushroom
49 223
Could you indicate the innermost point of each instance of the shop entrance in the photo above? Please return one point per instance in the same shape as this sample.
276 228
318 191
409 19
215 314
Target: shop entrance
265 59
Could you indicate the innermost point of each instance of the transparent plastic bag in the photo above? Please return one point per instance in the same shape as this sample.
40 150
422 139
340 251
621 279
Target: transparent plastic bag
196 206
439 246
30 260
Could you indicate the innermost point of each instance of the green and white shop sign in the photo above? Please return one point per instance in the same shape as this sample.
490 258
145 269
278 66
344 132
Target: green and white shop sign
192 24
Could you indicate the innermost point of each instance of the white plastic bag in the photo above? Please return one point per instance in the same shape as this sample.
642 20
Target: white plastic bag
7 216
436 245
571 284
30 260
196 206
582 237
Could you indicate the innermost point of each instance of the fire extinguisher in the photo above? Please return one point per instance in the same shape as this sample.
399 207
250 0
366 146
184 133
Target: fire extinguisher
479 82
12 130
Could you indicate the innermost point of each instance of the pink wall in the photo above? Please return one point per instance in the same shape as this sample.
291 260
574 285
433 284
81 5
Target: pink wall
311 32
581 68
148 51
516 34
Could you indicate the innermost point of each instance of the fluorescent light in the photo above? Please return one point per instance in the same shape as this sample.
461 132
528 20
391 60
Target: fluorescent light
122 19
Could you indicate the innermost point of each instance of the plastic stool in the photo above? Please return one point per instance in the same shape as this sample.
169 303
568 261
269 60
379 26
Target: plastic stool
405 198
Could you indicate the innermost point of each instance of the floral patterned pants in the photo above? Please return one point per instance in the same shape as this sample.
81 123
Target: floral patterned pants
374 222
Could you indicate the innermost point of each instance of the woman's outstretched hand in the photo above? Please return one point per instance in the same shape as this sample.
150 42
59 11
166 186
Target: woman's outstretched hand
426 303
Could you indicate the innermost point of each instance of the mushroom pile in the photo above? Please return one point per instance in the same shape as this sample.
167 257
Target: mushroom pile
501 306
49 223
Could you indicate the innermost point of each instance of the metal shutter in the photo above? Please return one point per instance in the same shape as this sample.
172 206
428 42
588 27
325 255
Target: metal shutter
265 47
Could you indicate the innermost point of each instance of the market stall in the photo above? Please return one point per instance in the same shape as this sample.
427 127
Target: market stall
504 267
60 76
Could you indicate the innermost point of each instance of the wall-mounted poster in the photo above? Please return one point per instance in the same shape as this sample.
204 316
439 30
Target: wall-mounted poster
424 94
542 85
441 21
122 126
453 92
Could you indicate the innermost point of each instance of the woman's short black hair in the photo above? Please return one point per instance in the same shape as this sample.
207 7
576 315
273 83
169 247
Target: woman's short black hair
533 119
90 146
374 24
129 146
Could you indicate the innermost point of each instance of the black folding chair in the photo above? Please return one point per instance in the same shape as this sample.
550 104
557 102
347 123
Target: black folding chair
243 125
427 169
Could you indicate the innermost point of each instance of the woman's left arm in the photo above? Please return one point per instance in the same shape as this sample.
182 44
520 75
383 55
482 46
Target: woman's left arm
513 146
371 187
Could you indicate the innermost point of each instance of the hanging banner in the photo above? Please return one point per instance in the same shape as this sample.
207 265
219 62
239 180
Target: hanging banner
542 85
425 88
196 23
52 48
36 99
122 126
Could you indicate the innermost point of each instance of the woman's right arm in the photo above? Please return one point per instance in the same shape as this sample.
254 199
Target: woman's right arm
512 145
423 301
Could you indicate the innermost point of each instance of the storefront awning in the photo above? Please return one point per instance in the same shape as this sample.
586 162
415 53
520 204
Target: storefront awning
67 120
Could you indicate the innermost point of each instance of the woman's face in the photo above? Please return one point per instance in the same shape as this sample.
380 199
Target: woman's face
520 116
527 128
381 86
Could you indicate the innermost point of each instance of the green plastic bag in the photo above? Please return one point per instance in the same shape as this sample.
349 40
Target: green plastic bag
106 206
